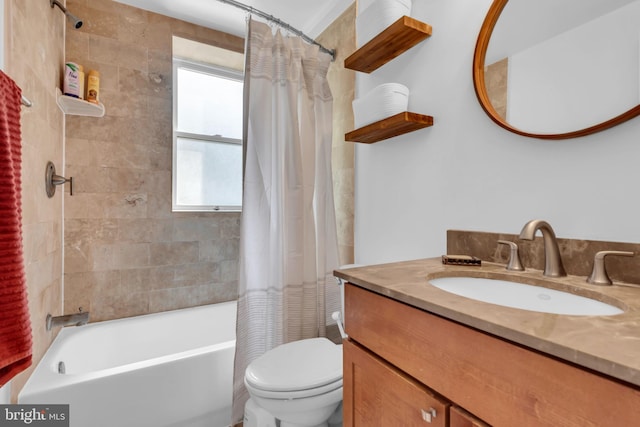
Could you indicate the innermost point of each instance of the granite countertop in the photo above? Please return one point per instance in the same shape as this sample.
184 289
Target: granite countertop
606 344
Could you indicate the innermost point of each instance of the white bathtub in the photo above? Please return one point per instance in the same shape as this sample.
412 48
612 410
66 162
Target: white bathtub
171 369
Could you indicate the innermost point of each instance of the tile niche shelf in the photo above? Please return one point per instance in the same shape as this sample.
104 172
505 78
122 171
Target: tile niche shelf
396 39
78 107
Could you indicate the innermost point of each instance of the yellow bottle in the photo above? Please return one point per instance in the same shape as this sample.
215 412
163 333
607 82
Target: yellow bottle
81 81
93 87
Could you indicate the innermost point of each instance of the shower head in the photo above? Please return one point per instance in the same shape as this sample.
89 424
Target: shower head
77 22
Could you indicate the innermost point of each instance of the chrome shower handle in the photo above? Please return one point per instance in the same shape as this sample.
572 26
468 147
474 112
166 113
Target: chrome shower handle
60 180
51 179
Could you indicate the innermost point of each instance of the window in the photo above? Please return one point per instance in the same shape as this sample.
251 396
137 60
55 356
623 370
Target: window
207 148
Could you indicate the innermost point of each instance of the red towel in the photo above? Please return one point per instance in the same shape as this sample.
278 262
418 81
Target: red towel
15 323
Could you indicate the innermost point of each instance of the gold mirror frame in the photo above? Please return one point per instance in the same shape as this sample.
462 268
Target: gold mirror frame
483 97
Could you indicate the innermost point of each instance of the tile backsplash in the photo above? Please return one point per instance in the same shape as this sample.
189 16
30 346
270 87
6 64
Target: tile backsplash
577 255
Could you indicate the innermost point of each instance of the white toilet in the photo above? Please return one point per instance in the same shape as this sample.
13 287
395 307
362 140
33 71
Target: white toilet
298 383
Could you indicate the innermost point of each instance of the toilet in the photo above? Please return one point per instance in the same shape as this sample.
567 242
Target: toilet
298 383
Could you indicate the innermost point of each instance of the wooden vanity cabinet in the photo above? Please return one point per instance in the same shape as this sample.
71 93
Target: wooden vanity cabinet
381 395
396 352
461 418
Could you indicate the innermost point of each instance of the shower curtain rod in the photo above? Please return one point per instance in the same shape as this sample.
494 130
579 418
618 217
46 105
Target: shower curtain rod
280 23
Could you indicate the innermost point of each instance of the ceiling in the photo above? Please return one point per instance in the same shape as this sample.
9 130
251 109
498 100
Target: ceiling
309 16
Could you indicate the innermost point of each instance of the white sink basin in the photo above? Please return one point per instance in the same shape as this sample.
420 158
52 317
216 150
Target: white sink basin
524 297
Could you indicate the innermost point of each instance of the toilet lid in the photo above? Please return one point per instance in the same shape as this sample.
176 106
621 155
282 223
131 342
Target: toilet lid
297 365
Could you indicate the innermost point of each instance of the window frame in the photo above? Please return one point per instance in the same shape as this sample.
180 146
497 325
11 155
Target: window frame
217 71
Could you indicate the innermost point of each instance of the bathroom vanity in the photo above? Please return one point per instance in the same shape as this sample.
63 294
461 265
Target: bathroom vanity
417 355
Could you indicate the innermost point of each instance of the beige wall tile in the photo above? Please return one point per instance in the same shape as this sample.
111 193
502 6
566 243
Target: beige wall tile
97 22
174 253
149 278
34 58
106 50
341 36
155 249
195 229
144 230
124 104
130 255
122 167
197 274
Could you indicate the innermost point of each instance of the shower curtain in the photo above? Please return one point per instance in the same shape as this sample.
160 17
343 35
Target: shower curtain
288 243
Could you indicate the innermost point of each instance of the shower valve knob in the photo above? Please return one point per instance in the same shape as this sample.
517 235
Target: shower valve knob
60 180
52 180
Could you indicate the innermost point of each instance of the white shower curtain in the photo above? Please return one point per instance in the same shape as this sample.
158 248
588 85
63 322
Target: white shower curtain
288 243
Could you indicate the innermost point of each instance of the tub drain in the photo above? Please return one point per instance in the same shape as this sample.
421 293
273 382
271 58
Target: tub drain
61 368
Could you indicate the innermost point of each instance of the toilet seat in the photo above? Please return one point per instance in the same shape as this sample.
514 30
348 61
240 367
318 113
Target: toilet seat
298 369
298 394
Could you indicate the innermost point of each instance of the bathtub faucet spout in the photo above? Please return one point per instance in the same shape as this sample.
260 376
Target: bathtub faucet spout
75 319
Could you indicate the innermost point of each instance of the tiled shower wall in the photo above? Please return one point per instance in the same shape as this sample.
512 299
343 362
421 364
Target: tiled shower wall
341 36
126 253
34 50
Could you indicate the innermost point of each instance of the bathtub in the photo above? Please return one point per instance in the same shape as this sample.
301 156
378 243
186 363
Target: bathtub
171 369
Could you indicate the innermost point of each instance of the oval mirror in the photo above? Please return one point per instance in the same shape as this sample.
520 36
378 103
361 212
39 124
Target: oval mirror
556 69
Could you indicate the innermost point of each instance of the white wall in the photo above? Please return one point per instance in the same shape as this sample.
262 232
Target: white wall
547 81
465 172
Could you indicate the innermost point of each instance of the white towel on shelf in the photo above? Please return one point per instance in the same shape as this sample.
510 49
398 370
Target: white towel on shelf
379 103
377 16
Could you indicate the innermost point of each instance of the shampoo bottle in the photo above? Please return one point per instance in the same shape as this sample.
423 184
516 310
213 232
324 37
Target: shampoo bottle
93 87
71 83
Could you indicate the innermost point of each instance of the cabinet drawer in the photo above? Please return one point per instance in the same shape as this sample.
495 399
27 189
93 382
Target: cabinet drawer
378 395
504 384
461 418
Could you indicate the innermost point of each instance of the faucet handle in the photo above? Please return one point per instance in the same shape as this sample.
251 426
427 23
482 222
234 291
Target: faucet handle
599 274
514 264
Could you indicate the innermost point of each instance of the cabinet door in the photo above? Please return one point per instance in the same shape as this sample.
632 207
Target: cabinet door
378 395
461 418
504 384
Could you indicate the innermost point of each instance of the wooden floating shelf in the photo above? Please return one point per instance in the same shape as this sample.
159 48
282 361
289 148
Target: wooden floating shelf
388 128
399 37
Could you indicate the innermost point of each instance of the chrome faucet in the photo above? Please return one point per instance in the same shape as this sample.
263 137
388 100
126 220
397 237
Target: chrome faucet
552 261
76 319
